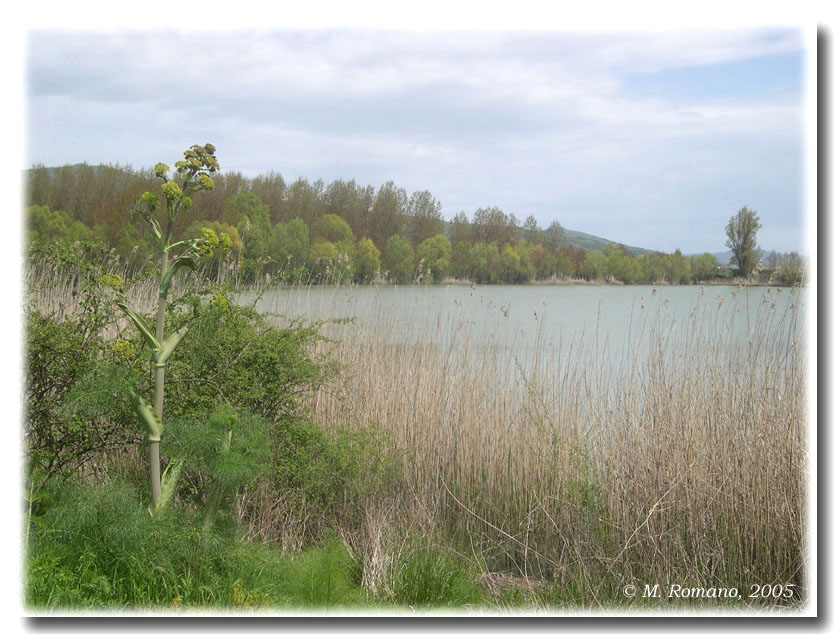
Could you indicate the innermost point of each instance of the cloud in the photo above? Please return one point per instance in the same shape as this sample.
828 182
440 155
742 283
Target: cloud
534 122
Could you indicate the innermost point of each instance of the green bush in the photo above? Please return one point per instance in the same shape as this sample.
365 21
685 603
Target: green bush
234 355
73 412
226 448
98 547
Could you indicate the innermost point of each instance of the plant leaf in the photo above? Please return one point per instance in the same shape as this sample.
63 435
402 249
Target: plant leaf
141 325
146 415
170 477
157 230
165 284
183 243
170 343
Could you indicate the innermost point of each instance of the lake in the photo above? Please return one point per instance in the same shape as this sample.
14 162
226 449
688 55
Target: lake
546 324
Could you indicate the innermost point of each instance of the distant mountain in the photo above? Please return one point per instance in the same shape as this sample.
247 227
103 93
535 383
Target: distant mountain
723 257
580 240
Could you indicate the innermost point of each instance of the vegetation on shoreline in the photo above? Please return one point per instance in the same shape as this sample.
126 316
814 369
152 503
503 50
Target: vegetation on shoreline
343 232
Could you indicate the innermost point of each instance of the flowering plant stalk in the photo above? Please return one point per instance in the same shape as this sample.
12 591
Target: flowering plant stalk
193 175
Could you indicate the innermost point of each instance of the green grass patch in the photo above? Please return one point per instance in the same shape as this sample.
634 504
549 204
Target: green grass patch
99 548
428 576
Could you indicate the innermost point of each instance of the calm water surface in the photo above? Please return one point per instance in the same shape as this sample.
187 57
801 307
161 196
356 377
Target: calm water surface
533 320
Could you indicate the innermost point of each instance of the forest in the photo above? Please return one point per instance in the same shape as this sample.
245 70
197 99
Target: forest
344 232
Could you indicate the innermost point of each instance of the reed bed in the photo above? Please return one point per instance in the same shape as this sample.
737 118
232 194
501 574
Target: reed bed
678 457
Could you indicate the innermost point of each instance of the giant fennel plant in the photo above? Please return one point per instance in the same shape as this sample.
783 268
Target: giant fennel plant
192 176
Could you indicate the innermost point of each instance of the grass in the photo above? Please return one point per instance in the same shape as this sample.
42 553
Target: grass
98 548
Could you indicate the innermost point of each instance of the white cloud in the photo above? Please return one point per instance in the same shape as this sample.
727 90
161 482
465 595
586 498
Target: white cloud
534 122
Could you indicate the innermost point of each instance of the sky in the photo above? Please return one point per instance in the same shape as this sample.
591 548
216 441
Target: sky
653 139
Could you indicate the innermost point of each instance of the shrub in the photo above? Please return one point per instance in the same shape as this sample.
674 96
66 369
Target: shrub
234 355
98 547
72 410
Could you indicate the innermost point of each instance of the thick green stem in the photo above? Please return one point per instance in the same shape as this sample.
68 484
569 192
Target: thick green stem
153 457
159 381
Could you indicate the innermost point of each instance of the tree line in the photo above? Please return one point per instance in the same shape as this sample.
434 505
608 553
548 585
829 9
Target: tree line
342 231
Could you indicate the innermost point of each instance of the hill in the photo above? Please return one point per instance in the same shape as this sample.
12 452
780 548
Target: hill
581 240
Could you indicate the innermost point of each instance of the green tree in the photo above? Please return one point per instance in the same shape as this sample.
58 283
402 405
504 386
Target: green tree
791 269
460 230
304 200
329 262
424 218
595 266
544 261
565 262
704 267
44 226
332 228
365 261
526 271
388 214
272 190
485 262
531 229
554 236
291 244
251 217
399 260
461 264
510 264
434 254
615 261
490 225
741 240
651 267
350 202
676 268
38 185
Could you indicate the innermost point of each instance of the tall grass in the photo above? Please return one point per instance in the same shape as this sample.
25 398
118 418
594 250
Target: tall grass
679 457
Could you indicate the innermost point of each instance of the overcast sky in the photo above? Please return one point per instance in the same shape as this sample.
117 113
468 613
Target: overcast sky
651 139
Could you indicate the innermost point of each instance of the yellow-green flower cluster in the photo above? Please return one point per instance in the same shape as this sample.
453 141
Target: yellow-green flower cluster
150 199
123 350
171 190
206 182
225 242
160 169
111 280
218 300
208 243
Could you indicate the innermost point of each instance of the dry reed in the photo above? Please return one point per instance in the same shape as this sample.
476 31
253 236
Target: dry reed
680 458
